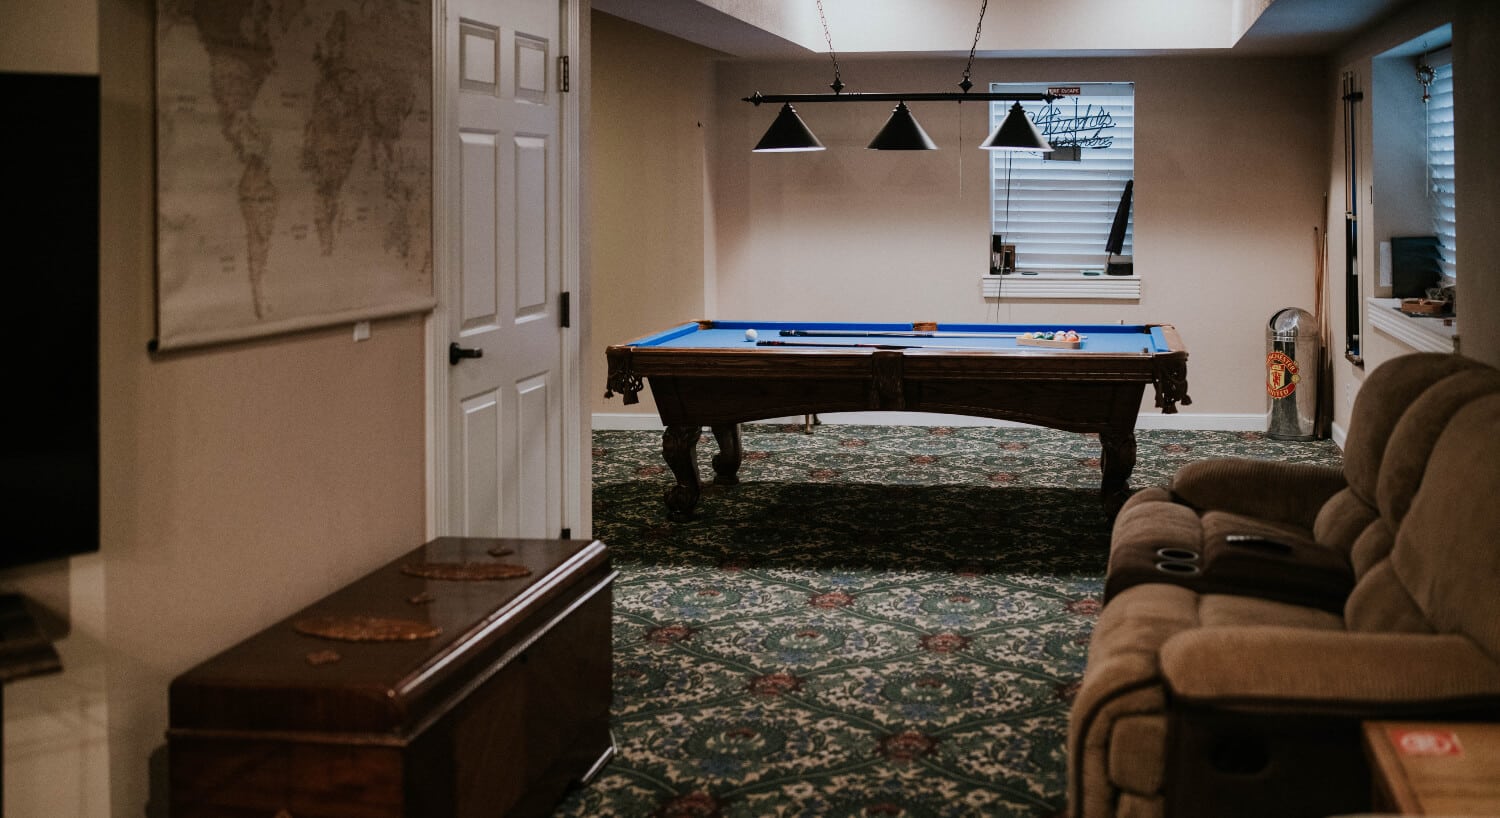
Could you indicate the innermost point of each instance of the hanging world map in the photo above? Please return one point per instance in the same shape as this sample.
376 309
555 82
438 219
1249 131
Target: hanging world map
294 165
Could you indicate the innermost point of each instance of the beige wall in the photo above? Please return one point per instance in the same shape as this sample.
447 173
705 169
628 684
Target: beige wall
1230 168
1476 24
49 36
1476 29
239 483
651 100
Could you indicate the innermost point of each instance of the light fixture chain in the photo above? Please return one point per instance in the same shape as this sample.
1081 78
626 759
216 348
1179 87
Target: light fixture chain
966 84
838 83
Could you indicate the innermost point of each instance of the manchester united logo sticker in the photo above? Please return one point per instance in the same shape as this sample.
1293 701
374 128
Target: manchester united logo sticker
1281 375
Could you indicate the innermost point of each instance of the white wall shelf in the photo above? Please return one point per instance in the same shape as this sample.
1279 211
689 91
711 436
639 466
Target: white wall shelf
1060 286
1421 334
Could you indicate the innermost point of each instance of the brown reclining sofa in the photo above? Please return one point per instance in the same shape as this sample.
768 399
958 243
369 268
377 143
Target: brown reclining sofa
1256 611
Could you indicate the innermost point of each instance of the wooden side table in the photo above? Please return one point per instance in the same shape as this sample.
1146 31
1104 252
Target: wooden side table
467 677
1434 768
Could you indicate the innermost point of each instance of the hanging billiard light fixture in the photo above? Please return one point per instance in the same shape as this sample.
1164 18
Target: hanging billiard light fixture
1016 133
788 134
901 132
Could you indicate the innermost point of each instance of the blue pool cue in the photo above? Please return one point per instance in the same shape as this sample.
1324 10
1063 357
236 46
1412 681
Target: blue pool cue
817 345
845 333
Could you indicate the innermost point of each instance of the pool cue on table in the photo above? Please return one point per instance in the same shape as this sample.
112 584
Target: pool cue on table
845 333
819 345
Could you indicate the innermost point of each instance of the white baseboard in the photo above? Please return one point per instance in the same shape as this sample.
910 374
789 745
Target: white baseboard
626 421
1183 421
1338 433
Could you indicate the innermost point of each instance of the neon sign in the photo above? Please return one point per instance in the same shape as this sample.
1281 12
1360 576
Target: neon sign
1084 128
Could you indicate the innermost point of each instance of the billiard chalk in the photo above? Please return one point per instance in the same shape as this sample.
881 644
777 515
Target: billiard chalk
750 335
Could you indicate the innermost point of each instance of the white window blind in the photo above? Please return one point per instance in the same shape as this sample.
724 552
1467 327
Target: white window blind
1440 169
1058 213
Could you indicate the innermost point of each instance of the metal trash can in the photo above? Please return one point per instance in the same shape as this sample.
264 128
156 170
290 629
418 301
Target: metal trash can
1293 349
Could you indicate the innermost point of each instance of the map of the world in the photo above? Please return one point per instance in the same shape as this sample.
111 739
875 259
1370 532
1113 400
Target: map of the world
294 165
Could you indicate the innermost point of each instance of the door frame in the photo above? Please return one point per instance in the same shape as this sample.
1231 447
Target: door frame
576 447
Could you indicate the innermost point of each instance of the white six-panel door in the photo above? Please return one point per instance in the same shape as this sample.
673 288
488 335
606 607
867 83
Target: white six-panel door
505 413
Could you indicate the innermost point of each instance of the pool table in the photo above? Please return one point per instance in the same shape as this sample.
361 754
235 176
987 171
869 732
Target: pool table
713 373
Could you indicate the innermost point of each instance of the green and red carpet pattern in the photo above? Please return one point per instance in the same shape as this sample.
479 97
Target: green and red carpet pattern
878 621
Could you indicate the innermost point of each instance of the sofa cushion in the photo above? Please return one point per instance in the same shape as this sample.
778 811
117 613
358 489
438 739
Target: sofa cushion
1416 433
1274 490
1447 554
1340 522
1380 603
1292 670
1383 398
1372 546
1363 521
1233 610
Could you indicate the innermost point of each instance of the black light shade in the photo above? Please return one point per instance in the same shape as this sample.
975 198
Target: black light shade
1016 133
902 133
788 133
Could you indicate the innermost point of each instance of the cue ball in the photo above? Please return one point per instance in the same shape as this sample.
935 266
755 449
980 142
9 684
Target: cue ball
749 335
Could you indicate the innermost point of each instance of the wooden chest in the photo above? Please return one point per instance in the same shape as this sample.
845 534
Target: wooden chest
488 696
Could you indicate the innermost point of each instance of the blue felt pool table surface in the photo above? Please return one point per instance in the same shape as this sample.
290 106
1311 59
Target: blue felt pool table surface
1095 338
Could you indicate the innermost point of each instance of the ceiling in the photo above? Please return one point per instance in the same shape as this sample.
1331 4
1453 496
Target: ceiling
739 28
1313 26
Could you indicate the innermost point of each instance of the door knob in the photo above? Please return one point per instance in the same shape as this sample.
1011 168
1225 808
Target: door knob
457 353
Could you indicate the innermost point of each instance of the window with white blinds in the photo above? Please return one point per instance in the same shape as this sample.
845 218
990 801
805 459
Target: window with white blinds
1058 213
1440 169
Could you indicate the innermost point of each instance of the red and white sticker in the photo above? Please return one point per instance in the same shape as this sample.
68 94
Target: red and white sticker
1281 375
1426 742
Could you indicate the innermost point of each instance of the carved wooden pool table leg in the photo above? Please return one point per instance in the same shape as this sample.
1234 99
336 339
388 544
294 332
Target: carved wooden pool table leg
1116 461
679 447
727 461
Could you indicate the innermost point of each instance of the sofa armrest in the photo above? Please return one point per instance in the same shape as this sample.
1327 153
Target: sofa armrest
1267 489
1285 670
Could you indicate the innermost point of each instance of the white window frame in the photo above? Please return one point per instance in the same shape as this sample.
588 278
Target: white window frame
1058 213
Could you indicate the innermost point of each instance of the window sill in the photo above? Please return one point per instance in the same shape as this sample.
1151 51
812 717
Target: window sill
1060 286
1421 334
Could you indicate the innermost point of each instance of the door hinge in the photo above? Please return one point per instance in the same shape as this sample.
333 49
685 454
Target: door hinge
567 534
565 309
562 72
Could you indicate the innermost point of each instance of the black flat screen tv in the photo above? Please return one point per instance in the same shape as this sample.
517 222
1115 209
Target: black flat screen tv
49 254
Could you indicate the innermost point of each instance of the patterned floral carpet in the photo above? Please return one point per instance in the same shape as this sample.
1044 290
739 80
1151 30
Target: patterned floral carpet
878 621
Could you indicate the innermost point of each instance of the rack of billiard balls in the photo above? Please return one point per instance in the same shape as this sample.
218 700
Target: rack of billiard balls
1054 339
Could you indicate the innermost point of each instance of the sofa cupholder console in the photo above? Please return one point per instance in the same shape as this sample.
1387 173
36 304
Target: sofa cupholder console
1177 562
1303 573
